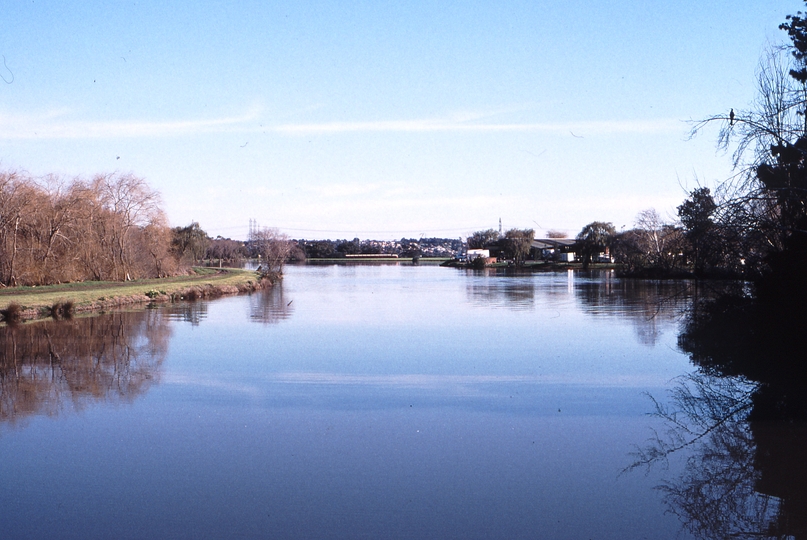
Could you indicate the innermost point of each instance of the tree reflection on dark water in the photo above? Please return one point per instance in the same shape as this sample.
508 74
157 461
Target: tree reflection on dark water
49 366
744 416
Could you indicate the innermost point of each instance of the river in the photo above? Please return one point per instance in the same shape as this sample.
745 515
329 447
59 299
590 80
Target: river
351 401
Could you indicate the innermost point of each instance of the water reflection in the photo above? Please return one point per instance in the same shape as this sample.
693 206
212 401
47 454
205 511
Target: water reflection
381 405
651 306
49 366
270 306
515 293
745 415
191 312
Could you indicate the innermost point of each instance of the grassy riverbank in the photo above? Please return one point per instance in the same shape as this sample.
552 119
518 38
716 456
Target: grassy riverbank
59 300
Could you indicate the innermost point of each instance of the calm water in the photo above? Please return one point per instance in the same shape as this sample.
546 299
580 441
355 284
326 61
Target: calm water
350 402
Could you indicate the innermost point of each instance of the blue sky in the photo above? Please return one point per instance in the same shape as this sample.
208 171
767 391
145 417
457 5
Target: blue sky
345 119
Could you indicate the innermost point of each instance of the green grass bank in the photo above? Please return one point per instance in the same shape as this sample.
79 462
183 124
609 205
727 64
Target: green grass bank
25 303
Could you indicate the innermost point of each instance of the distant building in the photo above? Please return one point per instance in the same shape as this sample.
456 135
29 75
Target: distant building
559 249
476 253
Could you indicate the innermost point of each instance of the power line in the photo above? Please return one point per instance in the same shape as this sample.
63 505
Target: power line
364 232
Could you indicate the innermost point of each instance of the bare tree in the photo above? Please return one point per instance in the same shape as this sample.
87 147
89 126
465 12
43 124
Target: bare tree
775 117
54 230
16 193
130 203
273 248
155 240
649 223
765 202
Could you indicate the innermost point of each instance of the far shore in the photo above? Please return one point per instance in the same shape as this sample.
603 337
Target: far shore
64 300
378 259
549 266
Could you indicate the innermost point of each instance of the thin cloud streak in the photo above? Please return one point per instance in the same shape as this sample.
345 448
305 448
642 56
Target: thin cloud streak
54 126
415 126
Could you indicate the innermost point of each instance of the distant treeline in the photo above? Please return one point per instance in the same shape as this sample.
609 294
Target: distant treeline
196 241
300 249
405 247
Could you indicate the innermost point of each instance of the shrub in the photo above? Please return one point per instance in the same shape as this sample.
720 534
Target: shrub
12 313
62 310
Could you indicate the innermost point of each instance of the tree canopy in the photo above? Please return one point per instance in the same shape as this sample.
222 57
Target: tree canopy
480 239
517 244
759 221
594 239
54 230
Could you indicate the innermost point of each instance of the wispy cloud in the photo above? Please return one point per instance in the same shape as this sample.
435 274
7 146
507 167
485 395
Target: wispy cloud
343 190
61 125
431 125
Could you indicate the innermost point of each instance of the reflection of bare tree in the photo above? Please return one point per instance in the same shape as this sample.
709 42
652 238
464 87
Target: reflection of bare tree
270 306
700 406
743 418
48 366
743 479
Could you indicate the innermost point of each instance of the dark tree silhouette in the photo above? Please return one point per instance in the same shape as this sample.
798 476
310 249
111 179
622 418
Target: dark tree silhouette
696 214
517 244
594 239
480 239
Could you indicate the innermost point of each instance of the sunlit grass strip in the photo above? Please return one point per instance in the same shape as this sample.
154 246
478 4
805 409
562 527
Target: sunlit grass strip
39 301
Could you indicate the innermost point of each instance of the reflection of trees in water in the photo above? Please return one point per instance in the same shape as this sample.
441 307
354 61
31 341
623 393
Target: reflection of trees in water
193 312
715 496
754 338
48 366
649 305
515 289
744 417
270 306
516 292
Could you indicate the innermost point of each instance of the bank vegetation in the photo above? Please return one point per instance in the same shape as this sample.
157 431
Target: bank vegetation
65 300
53 230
